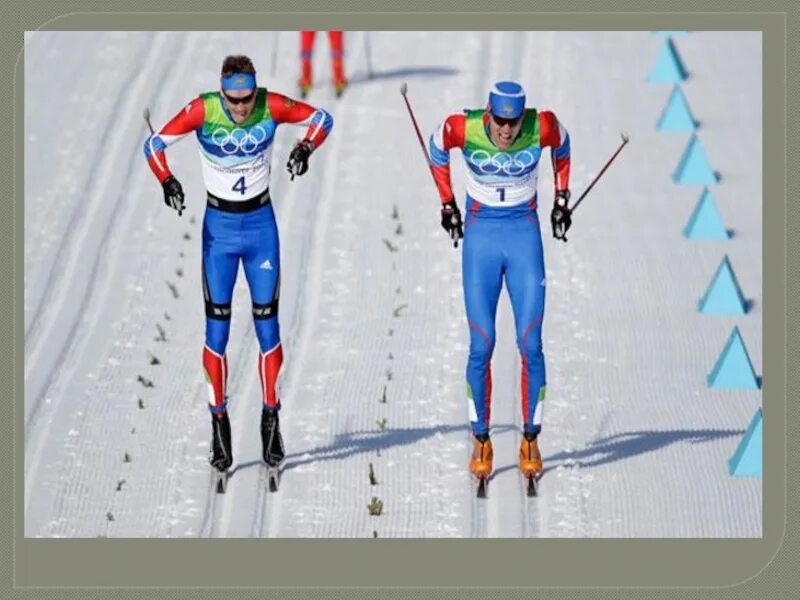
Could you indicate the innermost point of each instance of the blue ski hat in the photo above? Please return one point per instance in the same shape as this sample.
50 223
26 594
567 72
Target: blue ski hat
507 100
238 81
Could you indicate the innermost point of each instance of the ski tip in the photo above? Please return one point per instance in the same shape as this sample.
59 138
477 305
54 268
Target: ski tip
146 113
404 88
273 479
482 485
533 487
222 482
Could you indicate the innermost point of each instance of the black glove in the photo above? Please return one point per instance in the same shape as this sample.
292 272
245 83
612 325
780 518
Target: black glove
561 217
298 159
173 194
451 221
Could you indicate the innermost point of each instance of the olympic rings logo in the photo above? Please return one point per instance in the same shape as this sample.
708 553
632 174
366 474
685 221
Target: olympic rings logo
239 140
510 164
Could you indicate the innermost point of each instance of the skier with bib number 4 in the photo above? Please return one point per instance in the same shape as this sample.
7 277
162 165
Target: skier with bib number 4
235 128
502 146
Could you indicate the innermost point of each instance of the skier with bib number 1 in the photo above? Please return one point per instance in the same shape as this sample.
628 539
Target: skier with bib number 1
502 146
235 128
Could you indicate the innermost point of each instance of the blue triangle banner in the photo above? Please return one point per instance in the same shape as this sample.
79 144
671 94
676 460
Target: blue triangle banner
733 369
705 222
676 115
694 166
723 296
747 459
668 67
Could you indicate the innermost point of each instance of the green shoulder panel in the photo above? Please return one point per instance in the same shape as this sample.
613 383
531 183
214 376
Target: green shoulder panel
477 138
215 113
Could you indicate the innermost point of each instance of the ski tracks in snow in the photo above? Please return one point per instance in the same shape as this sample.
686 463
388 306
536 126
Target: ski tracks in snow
80 277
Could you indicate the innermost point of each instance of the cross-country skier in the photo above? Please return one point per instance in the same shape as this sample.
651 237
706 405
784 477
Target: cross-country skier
502 146
235 127
335 38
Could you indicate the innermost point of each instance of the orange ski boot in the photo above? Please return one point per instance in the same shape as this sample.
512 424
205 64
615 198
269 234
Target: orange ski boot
530 461
480 465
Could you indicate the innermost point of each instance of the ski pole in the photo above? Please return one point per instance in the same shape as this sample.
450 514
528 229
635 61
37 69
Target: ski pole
368 54
625 139
146 115
274 57
404 92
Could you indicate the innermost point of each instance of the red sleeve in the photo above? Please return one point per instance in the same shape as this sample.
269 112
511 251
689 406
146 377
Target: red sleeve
187 120
283 109
553 134
450 134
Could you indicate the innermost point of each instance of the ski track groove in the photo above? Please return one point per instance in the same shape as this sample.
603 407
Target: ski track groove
76 338
79 217
106 382
85 217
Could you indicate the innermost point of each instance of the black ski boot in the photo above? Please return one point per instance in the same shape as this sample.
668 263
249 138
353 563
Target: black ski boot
221 457
271 439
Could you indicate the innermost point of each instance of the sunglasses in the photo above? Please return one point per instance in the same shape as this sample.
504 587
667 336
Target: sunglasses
500 121
242 100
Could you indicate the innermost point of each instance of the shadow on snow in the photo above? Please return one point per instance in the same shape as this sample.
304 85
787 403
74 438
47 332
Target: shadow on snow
627 445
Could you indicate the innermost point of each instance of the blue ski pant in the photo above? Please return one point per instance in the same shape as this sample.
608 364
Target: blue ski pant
252 239
503 245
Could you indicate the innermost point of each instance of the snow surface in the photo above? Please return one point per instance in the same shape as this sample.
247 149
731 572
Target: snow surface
634 443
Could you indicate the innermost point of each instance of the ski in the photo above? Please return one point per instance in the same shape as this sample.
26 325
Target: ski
483 487
532 486
273 478
222 481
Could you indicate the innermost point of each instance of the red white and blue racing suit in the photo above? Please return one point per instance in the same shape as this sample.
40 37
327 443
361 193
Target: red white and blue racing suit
502 242
239 222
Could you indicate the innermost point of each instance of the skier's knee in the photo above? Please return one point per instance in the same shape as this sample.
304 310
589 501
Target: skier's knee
267 333
480 354
218 312
266 311
217 333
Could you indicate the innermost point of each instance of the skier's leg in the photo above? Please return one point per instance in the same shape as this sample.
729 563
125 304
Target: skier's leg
336 40
482 280
525 278
219 266
306 53
262 268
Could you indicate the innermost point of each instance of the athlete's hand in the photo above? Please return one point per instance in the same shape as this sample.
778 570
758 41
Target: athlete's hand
173 194
298 159
561 216
451 221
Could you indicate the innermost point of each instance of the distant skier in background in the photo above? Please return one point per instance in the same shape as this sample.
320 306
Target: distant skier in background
337 61
235 128
502 146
